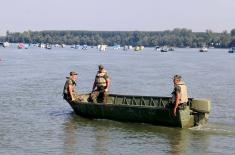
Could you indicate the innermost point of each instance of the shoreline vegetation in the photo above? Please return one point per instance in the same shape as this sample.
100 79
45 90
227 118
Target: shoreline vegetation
176 38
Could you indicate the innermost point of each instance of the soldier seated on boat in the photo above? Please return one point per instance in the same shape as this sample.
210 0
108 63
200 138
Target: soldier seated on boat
100 86
69 92
179 94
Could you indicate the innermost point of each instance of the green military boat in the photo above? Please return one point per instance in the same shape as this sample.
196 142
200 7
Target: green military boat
145 109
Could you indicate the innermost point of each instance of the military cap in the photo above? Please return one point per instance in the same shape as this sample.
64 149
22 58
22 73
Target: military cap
73 73
177 77
101 66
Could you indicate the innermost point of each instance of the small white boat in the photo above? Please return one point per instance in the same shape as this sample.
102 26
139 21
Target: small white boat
102 47
56 45
48 46
164 49
41 45
62 45
203 49
6 44
157 48
127 47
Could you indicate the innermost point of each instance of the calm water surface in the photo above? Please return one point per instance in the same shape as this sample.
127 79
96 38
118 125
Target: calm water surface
34 119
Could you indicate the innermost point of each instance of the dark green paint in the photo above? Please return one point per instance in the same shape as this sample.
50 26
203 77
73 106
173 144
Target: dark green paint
142 109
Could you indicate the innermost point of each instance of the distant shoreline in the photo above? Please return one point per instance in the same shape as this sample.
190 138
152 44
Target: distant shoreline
175 38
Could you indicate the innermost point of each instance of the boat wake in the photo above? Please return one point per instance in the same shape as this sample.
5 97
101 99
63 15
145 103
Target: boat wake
215 129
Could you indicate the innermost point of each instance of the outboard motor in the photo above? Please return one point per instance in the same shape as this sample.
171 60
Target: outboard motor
201 109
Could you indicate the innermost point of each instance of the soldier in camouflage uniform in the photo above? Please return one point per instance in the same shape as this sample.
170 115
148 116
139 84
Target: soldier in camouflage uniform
100 86
69 92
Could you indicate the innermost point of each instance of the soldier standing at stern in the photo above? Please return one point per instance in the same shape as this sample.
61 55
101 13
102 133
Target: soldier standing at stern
179 94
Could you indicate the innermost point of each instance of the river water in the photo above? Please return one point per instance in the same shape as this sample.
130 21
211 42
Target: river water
34 119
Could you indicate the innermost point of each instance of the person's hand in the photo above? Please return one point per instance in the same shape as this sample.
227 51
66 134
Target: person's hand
106 90
73 99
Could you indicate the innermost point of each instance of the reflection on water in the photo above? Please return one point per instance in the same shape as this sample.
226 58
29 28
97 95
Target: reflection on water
176 139
101 140
102 136
177 142
71 140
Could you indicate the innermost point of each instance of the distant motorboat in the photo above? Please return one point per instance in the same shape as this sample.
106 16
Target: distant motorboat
56 45
102 47
203 49
127 47
62 45
232 50
21 46
35 45
164 49
41 45
171 49
6 44
139 48
116 47
75 46
48 46
157 48
84 47
26 46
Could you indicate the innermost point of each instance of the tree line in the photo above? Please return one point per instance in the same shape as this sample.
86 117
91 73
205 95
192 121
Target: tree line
176 37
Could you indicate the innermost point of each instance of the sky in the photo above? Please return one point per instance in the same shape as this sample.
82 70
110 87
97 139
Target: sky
116 15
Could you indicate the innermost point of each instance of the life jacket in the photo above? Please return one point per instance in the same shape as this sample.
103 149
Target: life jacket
183 93
101 79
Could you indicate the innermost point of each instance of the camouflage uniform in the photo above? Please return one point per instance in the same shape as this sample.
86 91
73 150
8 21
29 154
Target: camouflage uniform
75 94
100 95
177 89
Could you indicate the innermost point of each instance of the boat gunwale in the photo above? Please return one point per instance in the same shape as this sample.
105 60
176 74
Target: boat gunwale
113 95
117 105
132 105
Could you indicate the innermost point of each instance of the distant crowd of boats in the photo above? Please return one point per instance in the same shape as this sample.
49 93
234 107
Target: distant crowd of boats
101 47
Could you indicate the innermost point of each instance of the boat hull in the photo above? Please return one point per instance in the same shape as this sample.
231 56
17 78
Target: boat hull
232 50
136 113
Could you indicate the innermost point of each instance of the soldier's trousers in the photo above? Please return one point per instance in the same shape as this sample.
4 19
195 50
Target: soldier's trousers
99 96
76 96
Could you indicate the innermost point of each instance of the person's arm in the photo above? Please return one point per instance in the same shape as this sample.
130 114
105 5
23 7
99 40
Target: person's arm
107 84
107 79
94 85
71 92
177 101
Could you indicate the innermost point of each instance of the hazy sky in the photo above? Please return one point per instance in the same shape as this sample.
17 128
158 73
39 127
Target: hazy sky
147 15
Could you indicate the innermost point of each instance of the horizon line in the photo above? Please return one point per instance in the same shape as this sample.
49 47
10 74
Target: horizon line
112 30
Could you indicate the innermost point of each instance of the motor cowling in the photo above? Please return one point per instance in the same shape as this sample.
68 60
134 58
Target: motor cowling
201 105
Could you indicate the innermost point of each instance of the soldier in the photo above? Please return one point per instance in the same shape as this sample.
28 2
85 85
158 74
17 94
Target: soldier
69 92
179 94
100 86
